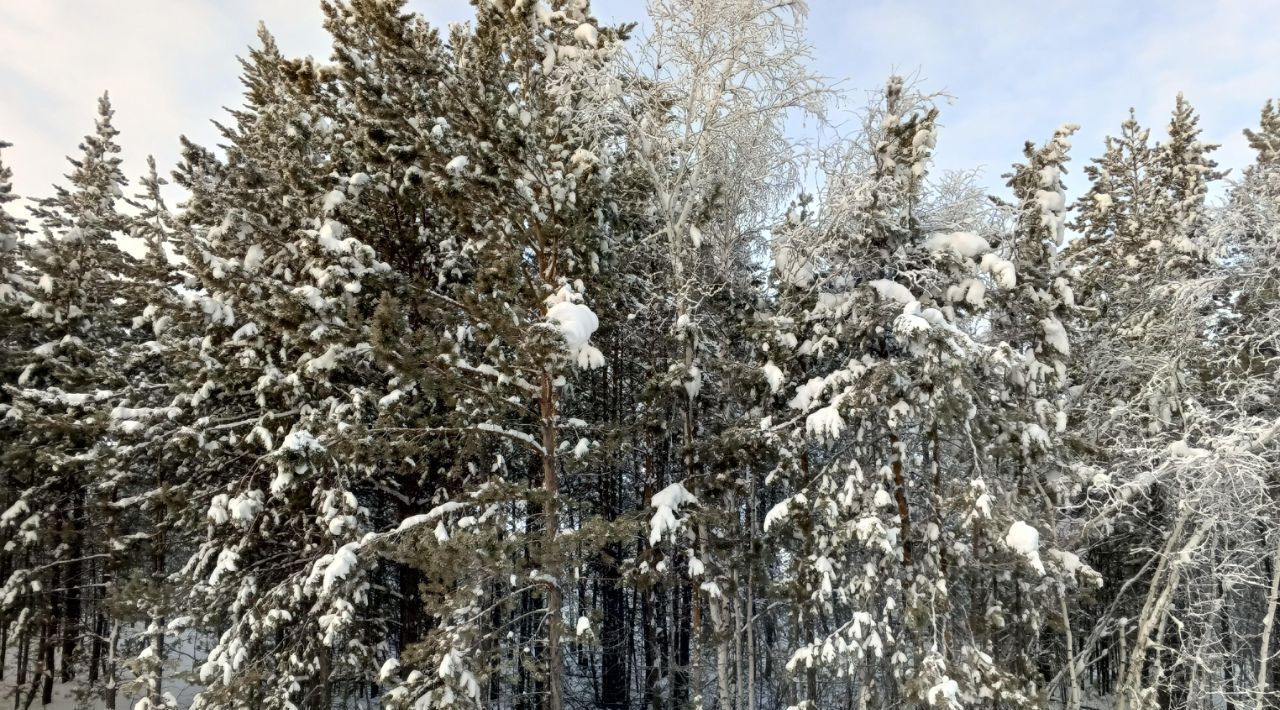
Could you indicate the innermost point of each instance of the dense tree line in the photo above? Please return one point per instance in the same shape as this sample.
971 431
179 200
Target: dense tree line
538 364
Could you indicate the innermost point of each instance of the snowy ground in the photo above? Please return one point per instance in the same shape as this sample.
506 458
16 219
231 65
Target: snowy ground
65 697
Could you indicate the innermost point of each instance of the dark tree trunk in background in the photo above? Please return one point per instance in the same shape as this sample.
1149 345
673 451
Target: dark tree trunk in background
72 583
614 687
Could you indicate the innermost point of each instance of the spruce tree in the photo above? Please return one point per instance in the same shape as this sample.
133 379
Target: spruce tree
1266 140
67 489
12 229
1143 408
1183 171
15 284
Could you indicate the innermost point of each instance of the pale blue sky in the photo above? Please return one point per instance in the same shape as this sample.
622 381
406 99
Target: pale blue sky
1017 68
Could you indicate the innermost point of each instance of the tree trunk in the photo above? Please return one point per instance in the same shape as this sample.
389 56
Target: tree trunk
1268 622
1073 692
24 657
72 582
649 606
739 621
693 644
46 666
109 692
551 522
613 662
720 626
682 622
158 568
751 623
1153 615
651 674
900 496
494 691
95 643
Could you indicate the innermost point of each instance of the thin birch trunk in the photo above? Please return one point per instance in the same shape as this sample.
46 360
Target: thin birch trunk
1268 622
1153 613
751 607
1073 693
738 620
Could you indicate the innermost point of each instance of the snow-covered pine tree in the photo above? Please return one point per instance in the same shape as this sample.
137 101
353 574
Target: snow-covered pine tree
15 283
1141 403
893 550
1223 533
1126 267
515 177
1266 140
1121 192
18 334
1248 226
143 418
828 495
64 518
1183 171
276 388
387 66
12 281
1031 319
